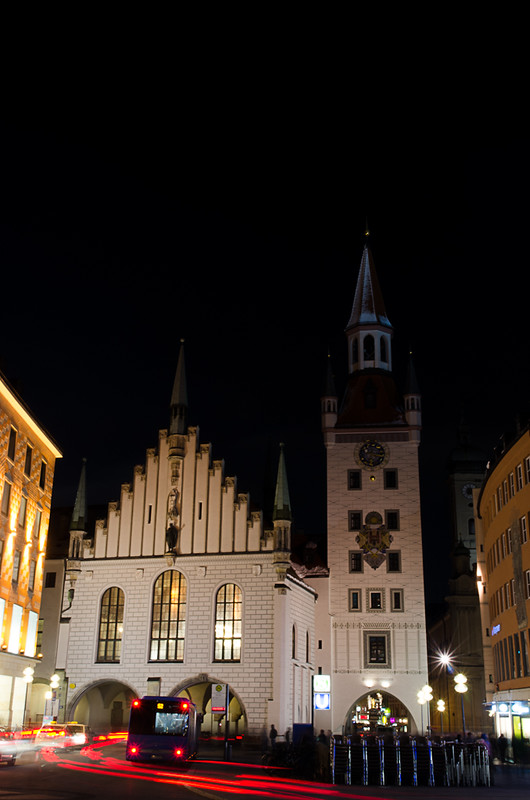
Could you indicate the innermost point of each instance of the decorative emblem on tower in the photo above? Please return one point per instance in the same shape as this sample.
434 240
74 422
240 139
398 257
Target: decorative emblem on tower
374 539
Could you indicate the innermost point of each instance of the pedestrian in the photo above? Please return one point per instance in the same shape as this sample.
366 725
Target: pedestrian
502 744
273 733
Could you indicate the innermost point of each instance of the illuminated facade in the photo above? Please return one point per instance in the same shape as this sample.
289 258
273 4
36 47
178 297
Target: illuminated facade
503 578
27 463
371 610
181 588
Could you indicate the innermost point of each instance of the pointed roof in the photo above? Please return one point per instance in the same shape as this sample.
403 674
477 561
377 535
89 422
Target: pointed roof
282 503
411 386
79 515
179 396
368 306
330 380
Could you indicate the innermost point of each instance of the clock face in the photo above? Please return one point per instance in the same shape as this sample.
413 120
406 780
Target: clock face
371 454
467 490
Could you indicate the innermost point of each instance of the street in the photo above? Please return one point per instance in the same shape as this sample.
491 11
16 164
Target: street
101 771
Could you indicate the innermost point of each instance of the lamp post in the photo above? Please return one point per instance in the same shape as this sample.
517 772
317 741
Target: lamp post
440 705
421 701
461 687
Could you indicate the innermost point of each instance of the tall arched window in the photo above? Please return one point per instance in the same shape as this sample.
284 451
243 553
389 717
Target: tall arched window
111 626
228 623
382 349
169 617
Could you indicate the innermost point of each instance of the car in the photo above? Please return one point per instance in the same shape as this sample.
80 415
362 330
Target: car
8 749
56 734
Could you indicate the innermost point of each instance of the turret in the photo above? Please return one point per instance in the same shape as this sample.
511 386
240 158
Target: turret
329 400
282 521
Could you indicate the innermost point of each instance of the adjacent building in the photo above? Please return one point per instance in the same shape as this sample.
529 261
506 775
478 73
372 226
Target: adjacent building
27 464
503 579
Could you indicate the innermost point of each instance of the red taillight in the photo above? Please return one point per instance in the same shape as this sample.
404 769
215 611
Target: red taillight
133 749
136 703
185 706
178 752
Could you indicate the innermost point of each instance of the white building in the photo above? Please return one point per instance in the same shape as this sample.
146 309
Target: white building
181 588
371 632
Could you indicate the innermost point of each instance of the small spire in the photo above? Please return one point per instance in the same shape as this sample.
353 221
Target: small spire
79 515
179 397
282 503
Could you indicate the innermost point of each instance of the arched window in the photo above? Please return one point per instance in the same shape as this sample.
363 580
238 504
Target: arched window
111 626
228 622
369 348
169 617
355 351
382 350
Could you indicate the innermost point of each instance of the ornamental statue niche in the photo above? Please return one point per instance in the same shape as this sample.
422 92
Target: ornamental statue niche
172 530
374 539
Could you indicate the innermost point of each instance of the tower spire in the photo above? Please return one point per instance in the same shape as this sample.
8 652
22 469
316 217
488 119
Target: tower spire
179 397
79 514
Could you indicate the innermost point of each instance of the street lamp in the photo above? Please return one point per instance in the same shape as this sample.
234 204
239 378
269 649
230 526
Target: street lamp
425 696
440 705
461 687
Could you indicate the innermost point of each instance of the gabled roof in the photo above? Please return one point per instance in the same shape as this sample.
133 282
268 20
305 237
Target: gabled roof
368 306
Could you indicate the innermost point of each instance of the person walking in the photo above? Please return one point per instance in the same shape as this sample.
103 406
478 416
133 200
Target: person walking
273 733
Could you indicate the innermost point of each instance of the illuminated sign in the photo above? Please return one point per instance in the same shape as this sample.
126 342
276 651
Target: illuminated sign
219 698
321 683
322 702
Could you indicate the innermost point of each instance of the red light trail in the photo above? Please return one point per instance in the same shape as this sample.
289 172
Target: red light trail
239 783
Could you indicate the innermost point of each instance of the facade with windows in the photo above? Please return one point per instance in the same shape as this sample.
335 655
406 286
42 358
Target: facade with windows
370 613
503 578
27 462
180 588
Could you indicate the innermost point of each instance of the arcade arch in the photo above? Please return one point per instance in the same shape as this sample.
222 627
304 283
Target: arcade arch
376 710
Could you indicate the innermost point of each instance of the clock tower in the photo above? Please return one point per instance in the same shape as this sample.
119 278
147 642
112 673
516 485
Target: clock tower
376 652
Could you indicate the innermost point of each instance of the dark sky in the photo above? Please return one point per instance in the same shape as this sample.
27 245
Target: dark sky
120 234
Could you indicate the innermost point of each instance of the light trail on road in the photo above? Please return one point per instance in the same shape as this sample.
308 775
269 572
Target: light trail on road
239 783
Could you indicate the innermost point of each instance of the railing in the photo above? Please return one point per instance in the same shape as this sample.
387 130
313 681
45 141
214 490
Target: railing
407 761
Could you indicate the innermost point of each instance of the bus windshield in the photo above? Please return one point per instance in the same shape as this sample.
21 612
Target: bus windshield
164 722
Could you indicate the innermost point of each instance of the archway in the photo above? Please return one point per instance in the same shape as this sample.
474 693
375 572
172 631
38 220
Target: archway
104 706
199 691
377 711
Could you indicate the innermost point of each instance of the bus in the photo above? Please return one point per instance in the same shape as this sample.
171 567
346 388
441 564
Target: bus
162 729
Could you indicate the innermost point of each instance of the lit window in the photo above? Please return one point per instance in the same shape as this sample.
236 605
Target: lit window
375 599
228 623
519 477
31 579
111 626
169 617
512 484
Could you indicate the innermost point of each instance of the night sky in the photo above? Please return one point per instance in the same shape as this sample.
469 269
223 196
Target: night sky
122 234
